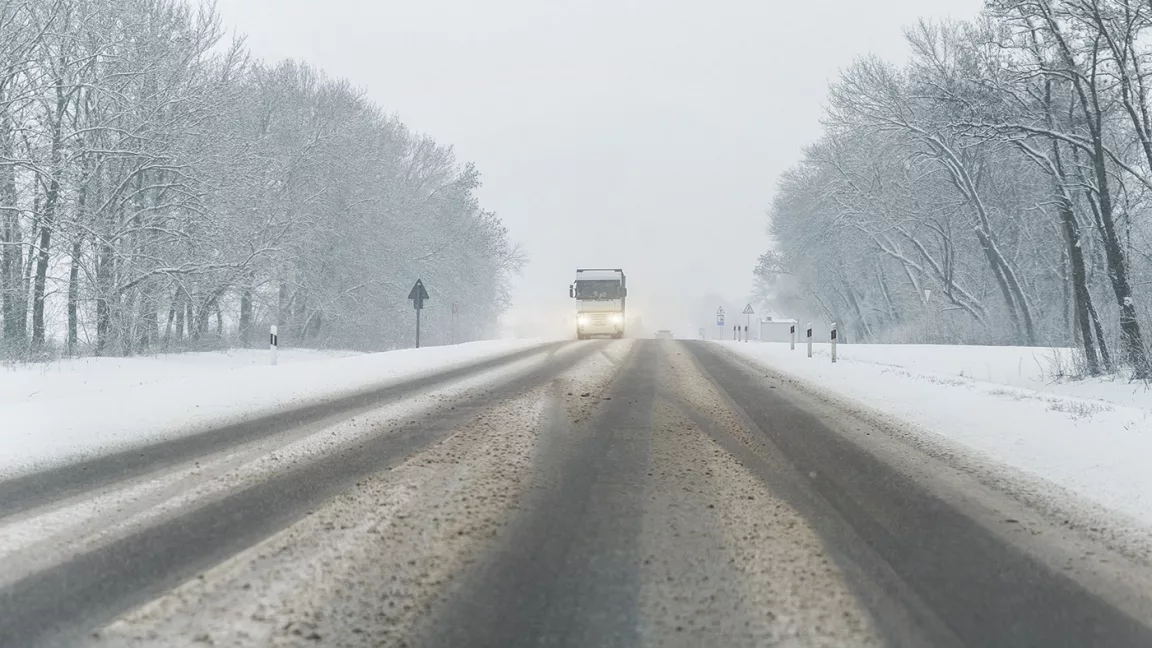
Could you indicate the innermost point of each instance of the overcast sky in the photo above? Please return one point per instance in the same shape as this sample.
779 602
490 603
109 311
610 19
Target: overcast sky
642 134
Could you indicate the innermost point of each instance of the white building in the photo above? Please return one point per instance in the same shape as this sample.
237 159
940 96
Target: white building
779 330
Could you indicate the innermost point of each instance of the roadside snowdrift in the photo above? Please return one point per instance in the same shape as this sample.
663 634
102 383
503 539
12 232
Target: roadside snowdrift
1092 437
63 412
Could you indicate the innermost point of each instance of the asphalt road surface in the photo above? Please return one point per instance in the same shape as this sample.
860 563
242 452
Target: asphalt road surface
626 493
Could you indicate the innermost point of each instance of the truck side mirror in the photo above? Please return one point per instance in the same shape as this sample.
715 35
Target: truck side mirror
571 292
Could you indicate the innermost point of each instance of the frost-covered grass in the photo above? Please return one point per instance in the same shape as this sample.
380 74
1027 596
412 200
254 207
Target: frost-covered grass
1092 436
63 411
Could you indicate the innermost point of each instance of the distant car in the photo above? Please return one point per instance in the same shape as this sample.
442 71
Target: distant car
663 334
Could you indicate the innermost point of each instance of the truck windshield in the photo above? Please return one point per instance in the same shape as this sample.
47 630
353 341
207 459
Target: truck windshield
598 289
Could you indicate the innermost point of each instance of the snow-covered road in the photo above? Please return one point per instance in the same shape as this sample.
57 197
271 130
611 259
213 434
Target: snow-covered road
594 493
61 413
1077 447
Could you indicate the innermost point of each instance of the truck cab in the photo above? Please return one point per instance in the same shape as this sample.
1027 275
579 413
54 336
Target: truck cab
602 293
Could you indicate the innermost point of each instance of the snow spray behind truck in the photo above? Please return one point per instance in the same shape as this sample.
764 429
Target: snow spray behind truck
602 293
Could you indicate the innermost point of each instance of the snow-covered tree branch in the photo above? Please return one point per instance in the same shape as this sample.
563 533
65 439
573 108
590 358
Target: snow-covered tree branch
159 189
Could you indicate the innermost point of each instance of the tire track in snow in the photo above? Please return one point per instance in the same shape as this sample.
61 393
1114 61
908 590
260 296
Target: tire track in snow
36 539
367 567
57 604
44 487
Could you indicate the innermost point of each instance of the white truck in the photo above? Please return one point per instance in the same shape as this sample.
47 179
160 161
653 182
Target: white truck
602 293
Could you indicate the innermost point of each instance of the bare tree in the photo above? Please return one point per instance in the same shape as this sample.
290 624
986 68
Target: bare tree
1009 157
159 188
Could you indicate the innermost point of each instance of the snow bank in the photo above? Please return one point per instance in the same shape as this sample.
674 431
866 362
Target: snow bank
1035 368
62 412
63 379
1092 437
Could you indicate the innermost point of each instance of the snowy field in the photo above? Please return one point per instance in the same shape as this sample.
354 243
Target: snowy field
63 411
86 376
1093 437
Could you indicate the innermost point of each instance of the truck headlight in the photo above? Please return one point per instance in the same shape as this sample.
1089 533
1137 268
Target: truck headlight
581 321
617 319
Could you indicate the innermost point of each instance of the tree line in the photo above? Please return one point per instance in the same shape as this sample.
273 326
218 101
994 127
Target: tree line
993 189
160 189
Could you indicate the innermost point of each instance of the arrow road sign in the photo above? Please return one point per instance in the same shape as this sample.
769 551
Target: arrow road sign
418 295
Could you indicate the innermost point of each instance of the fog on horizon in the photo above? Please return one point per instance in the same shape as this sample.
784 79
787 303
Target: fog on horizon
644 135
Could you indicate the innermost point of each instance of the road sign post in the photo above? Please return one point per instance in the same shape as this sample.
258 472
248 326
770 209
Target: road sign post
720 323
748 313
418 295
273 343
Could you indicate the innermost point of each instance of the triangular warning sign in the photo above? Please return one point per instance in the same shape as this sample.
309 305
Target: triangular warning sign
748 310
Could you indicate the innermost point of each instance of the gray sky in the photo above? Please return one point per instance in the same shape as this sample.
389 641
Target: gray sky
642 134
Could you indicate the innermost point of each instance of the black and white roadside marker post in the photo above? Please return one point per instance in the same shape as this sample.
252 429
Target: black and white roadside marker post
745 332
273 343
736 333
809 339
833 342
418 296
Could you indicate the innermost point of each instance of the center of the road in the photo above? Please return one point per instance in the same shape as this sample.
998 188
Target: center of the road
567 573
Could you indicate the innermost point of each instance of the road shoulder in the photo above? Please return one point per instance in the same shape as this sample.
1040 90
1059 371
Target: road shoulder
987 565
